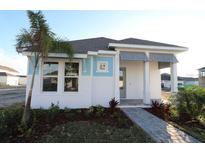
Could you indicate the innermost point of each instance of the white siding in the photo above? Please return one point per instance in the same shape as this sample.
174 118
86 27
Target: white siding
134 79
3 80
155 81
103 90
91 91
12 80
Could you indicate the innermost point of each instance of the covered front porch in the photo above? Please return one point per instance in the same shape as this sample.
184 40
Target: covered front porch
139 77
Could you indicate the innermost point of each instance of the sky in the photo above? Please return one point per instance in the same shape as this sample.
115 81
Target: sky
184 28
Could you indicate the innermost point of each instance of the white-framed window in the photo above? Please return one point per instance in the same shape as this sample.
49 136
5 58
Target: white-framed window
71 76
102 66
202 73
50 76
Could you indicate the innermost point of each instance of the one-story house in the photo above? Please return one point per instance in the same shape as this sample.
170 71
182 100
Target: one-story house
202 77
8 76
102 68
181 81
22 80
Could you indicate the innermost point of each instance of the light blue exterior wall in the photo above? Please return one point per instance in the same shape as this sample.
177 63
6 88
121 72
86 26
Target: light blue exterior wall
30 66
86 66
109 60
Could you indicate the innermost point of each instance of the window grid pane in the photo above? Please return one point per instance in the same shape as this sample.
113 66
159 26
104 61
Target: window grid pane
50 68
50 76
71 84
71 69
50 83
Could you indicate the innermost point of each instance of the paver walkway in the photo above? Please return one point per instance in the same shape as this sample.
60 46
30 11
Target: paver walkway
158 129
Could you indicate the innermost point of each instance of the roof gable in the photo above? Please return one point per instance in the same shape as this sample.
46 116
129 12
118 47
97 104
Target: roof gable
146 42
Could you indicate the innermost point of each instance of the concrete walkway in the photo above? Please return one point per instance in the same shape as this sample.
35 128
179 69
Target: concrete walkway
158 129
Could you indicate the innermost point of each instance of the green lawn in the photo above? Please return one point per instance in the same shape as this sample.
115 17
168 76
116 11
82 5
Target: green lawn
96 124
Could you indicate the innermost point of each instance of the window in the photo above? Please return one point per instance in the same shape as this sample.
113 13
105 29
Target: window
71 76
102 66
50 76
202 74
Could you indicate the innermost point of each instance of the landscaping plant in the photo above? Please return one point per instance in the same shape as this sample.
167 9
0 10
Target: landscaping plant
39 40
161 109
190 103
113 103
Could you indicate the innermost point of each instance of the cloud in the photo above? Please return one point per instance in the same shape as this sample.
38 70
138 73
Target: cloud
15 61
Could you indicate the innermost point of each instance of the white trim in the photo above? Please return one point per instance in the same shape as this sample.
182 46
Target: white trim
41 77
56 55
117 75
146 93
78 77
91 77
93 53
147 47
174 83
107 52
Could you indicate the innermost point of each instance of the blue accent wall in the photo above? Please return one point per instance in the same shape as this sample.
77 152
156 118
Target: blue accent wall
109 60
30 66
86 66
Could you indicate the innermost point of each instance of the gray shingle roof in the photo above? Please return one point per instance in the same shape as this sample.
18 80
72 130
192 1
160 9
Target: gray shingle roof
92 44
145 42
101 43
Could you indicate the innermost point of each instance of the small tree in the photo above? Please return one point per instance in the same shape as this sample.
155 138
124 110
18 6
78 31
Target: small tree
39 40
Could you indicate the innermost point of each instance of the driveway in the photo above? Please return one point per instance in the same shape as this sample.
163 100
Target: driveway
11 96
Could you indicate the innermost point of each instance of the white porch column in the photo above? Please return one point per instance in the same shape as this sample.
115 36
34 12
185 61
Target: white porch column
117 75
174 83
146 95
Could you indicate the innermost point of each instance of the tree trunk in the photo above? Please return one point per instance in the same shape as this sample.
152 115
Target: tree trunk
27 110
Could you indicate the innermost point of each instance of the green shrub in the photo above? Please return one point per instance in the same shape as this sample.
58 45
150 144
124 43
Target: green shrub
53 111
99 111
190 103
91 110
10 119
67 110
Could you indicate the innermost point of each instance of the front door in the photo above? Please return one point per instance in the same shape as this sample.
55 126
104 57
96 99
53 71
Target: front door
122 82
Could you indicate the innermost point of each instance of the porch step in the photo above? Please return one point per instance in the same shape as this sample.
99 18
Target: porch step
129 103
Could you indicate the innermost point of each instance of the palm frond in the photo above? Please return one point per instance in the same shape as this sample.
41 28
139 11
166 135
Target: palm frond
62 46
40 39
24 39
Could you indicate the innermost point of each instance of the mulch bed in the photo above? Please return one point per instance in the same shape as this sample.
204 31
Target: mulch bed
44 124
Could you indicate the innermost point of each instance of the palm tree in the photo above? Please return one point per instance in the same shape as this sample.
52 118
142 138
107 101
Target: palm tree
39 40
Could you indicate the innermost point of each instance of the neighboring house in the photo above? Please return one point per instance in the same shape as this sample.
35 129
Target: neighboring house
182 81
22 80
8 76
189 81
102 69
202 77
